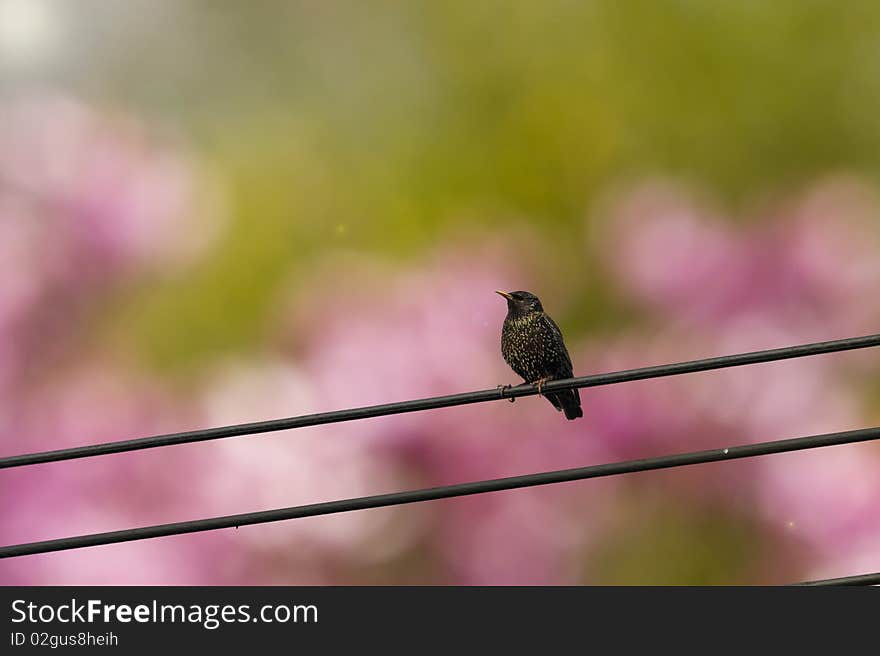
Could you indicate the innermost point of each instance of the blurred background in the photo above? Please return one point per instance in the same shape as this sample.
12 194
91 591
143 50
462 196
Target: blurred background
215 213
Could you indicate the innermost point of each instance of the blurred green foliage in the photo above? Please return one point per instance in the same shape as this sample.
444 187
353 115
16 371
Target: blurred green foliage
670 545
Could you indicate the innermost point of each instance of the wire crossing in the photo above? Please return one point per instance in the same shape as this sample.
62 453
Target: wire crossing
595 380
444 492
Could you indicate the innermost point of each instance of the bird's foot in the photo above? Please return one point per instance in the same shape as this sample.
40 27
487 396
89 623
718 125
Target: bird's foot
502 388
540 383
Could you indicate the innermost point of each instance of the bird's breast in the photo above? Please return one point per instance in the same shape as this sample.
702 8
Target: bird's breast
525 345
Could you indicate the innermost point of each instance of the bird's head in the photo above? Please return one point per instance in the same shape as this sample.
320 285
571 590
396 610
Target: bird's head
522 302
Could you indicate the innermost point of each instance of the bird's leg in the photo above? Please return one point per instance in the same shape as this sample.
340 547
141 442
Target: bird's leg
540 383
502 388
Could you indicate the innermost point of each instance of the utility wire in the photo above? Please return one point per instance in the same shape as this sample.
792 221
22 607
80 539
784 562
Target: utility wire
860 579
444 492
496 394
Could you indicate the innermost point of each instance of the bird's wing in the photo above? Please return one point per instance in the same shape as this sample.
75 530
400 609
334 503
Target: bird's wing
566 362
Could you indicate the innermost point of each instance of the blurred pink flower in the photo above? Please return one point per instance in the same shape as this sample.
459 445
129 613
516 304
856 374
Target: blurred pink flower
828 242
806 274
110 195
810 268
294 468
860 556
95 404
86 199
829 498
671 254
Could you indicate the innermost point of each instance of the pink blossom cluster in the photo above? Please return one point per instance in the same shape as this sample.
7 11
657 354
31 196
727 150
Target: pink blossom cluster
805 271
88 203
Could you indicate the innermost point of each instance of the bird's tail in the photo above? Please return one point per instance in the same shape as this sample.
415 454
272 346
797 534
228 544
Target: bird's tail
569 401
573 412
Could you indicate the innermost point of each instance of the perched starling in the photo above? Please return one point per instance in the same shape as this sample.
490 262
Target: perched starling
532 345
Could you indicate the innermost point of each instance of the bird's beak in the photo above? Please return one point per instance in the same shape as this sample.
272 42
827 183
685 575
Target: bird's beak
505 295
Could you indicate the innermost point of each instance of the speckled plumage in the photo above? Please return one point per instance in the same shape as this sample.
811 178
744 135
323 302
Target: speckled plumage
532 345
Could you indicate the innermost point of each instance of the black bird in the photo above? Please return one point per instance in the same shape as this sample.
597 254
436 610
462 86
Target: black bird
532 345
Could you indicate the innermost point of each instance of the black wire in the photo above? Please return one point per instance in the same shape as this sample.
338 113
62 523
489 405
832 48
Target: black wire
496 394
860 579
443 492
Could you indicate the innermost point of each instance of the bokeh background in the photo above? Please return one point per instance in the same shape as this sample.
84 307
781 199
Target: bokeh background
214 213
